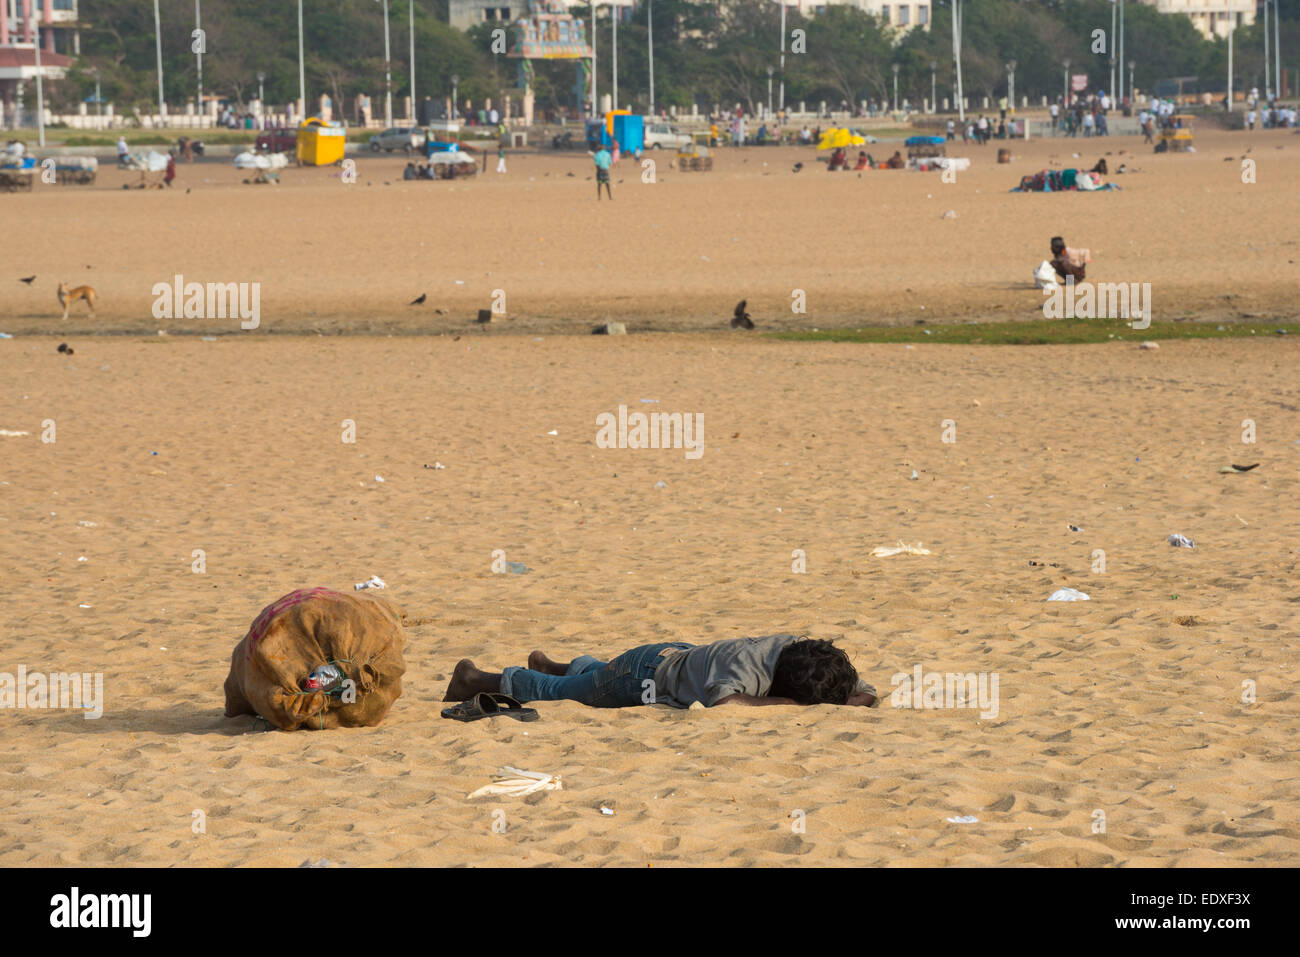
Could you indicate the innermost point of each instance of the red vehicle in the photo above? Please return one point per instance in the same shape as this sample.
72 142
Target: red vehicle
282 139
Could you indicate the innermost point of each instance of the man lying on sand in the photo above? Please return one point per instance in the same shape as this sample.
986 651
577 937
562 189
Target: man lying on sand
775 669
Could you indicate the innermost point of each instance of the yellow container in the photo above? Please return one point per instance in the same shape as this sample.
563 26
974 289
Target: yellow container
320 144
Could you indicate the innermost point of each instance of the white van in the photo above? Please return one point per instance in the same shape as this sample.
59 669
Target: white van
660 135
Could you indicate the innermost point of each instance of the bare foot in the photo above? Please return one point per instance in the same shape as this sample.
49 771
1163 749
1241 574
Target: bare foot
538 661
467 681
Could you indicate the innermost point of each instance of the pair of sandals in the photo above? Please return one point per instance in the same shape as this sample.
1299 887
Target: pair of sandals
490 704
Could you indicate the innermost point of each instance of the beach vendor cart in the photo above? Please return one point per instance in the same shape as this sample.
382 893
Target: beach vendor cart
75 170
16 172
1177 136
320 143
696 155
925 147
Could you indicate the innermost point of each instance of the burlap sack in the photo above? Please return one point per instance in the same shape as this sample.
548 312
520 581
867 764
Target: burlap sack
361 634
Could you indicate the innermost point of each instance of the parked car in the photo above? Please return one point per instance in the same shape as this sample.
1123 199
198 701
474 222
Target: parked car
399 138
283 139
664 136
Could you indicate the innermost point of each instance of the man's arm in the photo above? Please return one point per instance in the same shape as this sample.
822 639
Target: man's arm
738 698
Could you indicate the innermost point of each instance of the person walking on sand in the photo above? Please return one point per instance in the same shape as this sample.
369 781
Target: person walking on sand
602 159
781 669
501 159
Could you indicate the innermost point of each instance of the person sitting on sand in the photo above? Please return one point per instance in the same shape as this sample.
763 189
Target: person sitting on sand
1064 264
862 160
410 172
896 161
775 669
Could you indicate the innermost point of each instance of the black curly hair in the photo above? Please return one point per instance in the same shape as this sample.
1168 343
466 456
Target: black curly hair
813 671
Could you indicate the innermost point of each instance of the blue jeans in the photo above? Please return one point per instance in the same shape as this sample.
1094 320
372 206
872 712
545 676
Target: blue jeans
617 684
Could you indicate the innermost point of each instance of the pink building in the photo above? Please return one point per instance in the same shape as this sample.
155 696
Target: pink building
20 21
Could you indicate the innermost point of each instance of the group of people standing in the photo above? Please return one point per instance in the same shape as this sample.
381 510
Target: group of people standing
1086 116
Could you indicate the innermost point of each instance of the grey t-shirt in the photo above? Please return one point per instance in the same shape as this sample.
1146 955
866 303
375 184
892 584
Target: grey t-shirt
708 673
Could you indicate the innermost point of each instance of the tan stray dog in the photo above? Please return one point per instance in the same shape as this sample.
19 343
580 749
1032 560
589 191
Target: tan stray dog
68 296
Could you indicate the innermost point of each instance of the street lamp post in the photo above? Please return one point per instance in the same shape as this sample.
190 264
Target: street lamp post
99 100
1231 33
1277 49
40 90
157 34
261 94
388 72
1132 64
198 28
413 101
1065 103
595 106
956 58
650 32
770 71
781 102
1121 54
302 73
934 103
614 11
455 83
1268 86
895 69
1011 84
1111 44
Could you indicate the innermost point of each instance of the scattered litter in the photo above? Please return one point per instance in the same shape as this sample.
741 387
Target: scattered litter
436 465
5 335
661 484
964 819
323 862
1034 564
517 568
553 432
1068 594
83 558
1181 541
208 339
516 783
608 811
914 476
696 706
950 214
85 524
374 581
648 401
1240 519
1148 345
1075 528
902 548
1238 468
379 478
83 605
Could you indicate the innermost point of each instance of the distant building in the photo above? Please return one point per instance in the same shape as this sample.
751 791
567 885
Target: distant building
464 14
60 32
1211 17
902 16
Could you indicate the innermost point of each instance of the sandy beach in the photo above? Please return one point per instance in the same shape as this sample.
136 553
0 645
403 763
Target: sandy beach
675 254
1152 725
